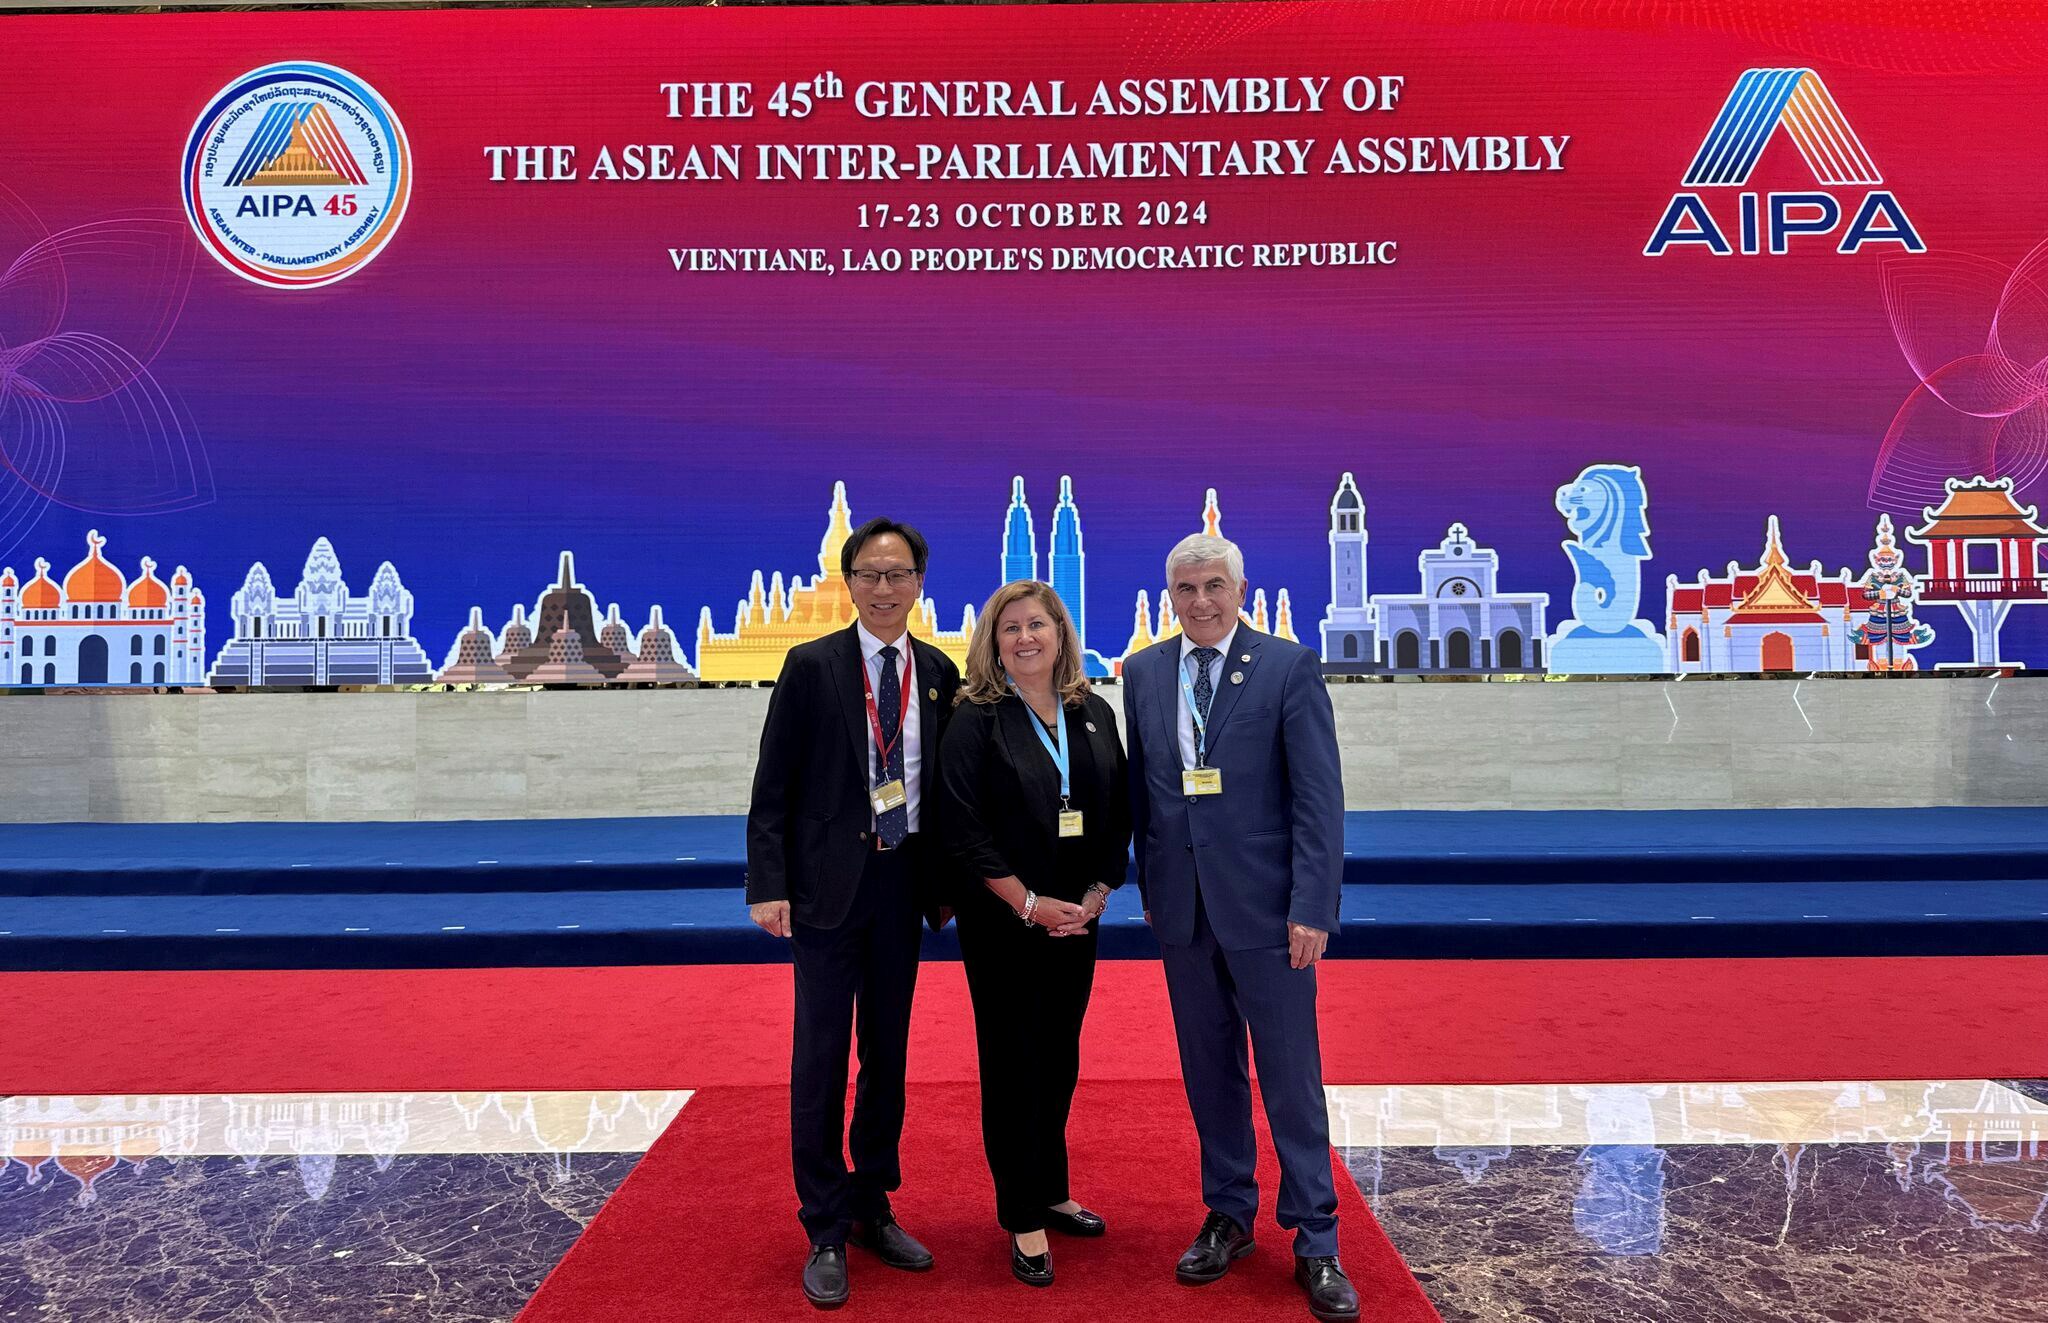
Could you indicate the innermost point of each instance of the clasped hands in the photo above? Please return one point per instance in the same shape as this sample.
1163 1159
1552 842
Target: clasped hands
1063 918
1060 918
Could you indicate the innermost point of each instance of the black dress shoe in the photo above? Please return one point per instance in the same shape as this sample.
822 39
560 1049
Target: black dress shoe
1330 1294
1080 1222
1030 1269
892 1244
1219 1242
825 1276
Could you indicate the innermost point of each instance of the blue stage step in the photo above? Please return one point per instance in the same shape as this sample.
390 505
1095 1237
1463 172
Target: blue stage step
709 925
678 853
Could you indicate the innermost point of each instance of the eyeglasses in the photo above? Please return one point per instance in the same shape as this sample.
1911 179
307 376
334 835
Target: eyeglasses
896 578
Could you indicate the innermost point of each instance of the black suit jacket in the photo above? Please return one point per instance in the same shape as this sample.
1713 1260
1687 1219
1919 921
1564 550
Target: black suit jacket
1001 800
810 827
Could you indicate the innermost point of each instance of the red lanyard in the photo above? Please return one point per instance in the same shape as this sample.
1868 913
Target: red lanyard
867 686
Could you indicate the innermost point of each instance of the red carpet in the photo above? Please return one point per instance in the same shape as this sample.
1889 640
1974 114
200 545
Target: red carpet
1479 1021
705 1227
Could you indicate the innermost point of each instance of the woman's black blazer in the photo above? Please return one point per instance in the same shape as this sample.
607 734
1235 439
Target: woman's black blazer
1000 798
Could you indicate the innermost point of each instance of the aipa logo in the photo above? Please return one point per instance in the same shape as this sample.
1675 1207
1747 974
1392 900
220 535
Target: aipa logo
1765 100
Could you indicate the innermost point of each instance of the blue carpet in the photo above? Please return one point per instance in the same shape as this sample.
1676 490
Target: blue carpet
256 858
705 925
674 853
1804 882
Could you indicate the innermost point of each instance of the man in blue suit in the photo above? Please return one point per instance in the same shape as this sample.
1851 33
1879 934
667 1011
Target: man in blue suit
1238 807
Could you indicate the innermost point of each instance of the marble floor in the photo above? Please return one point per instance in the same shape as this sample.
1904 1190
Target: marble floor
292 1208
1861 1202
1896 1201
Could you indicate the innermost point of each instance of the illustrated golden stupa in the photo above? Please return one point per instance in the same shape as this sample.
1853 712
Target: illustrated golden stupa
1144 633
774 619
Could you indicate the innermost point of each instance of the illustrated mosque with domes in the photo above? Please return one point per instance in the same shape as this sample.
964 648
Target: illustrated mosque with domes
97 628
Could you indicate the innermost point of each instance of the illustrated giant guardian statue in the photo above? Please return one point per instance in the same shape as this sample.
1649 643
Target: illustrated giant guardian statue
1608 514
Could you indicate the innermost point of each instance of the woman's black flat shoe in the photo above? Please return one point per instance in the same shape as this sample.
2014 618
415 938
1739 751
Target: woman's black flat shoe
1080 1222
1030 1269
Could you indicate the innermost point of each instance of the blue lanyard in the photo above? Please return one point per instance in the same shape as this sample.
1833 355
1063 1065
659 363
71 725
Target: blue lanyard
1057 754
1187 692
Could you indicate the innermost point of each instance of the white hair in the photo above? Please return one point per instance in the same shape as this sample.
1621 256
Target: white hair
1200 549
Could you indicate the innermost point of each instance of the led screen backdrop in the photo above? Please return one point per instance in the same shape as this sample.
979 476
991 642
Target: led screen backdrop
564 346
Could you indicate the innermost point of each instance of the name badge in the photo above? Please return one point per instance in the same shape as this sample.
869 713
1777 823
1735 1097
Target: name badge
888 795
1202 781
1070 822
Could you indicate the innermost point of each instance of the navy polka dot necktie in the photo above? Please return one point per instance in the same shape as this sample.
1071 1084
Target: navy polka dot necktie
894 825
1204 689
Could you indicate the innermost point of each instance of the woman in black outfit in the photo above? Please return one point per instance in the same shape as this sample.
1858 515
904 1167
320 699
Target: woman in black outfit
1047 862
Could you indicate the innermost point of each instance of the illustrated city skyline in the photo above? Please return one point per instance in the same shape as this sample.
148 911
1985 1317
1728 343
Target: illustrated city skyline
1473 611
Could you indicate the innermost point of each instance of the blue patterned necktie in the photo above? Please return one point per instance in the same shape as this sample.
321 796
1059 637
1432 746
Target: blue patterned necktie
894 825
1204 690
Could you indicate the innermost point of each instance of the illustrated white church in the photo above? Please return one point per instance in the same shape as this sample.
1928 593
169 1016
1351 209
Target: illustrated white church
1459 623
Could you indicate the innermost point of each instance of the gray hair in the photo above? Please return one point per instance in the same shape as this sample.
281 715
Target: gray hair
1200 549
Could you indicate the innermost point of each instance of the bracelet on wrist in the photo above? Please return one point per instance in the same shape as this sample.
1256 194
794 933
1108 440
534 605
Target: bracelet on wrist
1030 904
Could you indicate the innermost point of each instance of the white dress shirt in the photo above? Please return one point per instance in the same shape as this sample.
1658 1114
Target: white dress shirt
1180 703
871 657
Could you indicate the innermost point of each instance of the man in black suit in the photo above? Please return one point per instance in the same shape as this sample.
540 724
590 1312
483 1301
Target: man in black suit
842 862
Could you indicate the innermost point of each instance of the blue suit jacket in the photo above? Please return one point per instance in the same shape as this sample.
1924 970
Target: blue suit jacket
1269 850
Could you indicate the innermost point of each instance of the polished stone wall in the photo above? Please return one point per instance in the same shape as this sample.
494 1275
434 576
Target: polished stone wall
1684 744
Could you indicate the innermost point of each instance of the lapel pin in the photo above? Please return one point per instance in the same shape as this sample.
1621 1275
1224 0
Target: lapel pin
1090 725
932 694
1237 677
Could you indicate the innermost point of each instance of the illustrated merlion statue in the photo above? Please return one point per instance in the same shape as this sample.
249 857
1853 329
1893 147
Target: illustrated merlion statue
1608 513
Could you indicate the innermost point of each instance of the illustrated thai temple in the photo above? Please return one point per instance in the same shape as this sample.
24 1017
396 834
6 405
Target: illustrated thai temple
1350 630
1460 622
771 621
322 634
97 628
1145 632
1984 553
1771 618
1067 563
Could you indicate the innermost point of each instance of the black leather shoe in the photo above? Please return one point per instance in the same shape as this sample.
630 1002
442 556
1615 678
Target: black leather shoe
1030 1269
892 1244
1080 1222
825 1276
1217 1245
1330 1294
